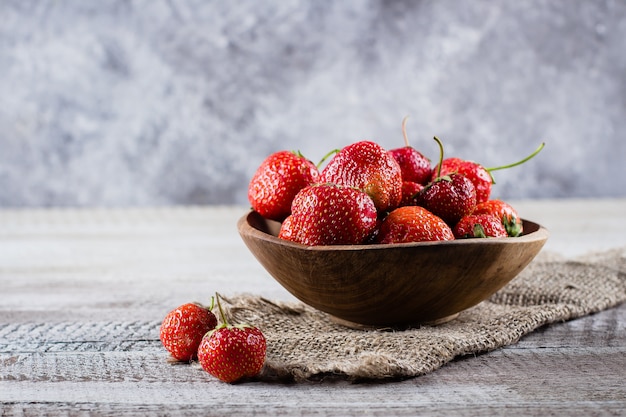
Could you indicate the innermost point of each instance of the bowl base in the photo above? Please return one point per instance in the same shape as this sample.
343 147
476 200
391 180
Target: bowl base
359 326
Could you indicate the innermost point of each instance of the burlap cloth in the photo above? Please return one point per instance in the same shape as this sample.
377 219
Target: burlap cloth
304 343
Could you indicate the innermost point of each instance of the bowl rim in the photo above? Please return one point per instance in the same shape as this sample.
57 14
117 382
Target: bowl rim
244 226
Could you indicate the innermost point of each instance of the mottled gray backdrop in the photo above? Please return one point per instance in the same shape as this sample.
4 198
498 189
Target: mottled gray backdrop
121 103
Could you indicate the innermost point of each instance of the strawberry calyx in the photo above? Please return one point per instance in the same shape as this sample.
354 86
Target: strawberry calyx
479 231
512 226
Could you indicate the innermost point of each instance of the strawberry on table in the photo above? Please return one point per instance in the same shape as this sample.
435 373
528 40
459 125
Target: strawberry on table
330 214
369 167
503 211
479 225
232 352
413 224
183 328
276 182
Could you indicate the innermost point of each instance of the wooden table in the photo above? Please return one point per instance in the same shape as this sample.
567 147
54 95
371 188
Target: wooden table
82 293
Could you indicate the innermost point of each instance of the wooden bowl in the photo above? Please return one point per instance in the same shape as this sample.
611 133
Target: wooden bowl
391 285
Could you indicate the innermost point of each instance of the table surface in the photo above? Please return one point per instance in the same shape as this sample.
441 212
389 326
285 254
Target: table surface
83 293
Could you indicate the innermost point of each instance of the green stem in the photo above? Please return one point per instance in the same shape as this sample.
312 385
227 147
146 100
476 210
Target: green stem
334 151
440 155
219 306
520 162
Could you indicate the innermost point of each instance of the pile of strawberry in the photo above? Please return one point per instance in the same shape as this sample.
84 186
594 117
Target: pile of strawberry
366 194
228 352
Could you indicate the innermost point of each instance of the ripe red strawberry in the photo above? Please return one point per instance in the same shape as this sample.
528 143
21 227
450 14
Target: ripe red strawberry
330 214
409 192
413 224
369 167
450 197
414 166
503 211
480 176
479 225
276 182
183 329
476 173
232 352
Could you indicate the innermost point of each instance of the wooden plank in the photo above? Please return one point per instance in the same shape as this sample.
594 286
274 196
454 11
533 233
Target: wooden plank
138 382
603 329
530 376
83 293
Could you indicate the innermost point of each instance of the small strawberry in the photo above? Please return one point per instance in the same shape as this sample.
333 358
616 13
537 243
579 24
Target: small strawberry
231 353
369 167
479 225
503 211
414 166
409 191
413 224
276 182
480 176
330 214
450 197
183 328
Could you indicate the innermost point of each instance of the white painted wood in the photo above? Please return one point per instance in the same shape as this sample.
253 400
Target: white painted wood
82 293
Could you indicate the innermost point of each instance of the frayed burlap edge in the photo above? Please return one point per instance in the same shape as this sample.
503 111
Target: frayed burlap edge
304 344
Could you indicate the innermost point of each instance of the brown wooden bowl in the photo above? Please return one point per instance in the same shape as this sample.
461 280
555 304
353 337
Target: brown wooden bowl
394 284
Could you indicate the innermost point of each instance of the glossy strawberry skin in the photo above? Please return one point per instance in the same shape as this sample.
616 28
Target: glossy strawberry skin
277 181
413 224
409 191
479 226
183 328
503 211
369 167
450 197
476 173
330 214
414 166
231 353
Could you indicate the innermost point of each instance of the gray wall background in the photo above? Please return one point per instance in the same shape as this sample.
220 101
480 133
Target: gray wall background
122 103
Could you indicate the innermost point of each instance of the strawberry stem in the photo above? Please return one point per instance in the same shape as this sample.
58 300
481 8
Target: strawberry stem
334 151
520 162
440 155
406 138
219 306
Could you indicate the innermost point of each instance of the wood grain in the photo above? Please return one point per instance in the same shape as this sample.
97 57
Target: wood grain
82 293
